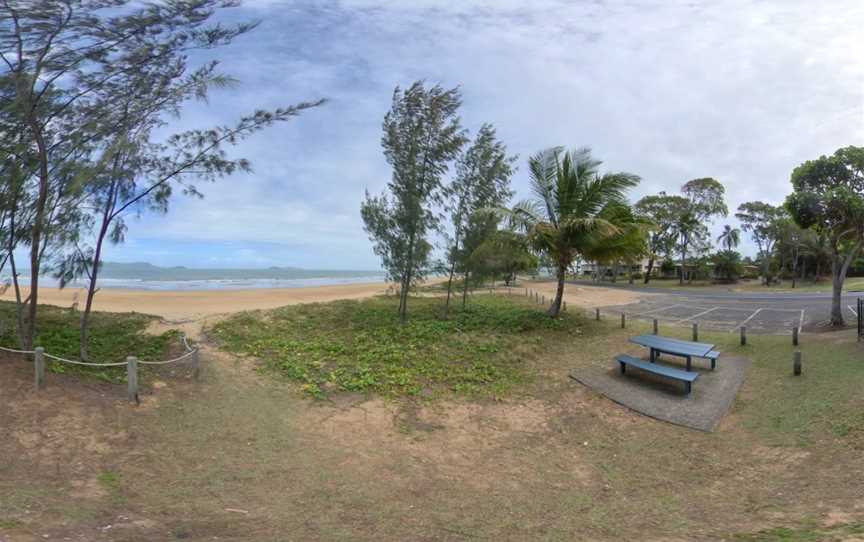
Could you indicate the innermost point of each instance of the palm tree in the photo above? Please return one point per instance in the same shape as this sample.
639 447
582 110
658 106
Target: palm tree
730 237
563 218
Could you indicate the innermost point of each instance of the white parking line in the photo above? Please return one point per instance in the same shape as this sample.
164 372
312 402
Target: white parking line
853 310
661 309
696 315
757 311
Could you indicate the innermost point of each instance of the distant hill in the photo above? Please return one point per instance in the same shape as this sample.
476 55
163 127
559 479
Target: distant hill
143 271
148 271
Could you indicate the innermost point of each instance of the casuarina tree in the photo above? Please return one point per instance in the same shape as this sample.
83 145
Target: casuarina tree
422 137
483 173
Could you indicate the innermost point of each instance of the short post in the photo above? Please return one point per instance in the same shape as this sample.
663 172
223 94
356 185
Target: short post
597 314
623 320
656 326
795 336
743 335
695 332
196 364
39 367
565 305
536 297
526 292
543 300
132 379
796 363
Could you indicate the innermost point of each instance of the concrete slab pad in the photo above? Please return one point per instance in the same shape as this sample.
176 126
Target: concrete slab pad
651 395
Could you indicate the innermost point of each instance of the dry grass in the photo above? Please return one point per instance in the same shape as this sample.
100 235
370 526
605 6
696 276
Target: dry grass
243 457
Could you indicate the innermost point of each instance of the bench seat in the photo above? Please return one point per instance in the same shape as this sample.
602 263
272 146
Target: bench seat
663 370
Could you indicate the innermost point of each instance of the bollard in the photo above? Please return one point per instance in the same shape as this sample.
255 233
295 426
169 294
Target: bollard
565 306
743 335
39 367
623 320
795 336
597 314
695 332
656 325
132 379
796 363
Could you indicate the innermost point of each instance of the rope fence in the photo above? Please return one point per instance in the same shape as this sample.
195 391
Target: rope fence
131 364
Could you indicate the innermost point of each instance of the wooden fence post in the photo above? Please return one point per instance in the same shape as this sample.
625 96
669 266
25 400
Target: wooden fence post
743 335
39 367
695 332
795 336
623 320
132 379
796 363
656 326
597 314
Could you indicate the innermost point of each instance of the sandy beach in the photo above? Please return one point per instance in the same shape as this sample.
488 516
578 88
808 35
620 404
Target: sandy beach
190 305
193 305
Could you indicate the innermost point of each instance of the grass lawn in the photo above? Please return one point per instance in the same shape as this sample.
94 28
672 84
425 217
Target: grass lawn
113 336
479 435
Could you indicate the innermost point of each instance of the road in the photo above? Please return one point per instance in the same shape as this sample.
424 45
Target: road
728 311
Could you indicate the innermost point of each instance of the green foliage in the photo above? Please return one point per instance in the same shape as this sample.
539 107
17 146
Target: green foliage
730 238
811 533
113 337
661 211
563 220
829 198
728 266
422 135
481 350
503 255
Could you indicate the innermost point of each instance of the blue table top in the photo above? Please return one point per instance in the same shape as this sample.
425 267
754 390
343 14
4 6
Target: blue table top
672 346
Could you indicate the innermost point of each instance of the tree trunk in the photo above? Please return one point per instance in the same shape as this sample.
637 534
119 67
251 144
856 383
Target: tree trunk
465 289
449 288
839 267
649 270
683 265
555 309
94 272
36 236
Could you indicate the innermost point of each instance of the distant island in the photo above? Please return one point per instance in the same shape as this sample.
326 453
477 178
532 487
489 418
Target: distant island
149 272
143 275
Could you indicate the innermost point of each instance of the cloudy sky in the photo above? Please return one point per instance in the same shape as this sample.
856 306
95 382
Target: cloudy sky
738 90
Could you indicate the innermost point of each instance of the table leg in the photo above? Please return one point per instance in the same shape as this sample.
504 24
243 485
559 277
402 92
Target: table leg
688 362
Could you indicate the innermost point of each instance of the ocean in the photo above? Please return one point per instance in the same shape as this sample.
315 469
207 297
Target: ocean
144 276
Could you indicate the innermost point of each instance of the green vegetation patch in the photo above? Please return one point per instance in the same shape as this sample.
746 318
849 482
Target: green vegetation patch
804 534
360 345
113 336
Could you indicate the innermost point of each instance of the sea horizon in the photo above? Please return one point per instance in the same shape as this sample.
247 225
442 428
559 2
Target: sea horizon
145 276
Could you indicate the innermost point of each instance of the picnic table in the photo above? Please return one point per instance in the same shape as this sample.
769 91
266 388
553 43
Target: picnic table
676 347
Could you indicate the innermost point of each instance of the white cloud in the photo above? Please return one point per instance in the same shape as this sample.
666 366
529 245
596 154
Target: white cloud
739 90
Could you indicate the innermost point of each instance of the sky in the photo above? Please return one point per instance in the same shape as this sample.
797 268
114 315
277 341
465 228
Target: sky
739 90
